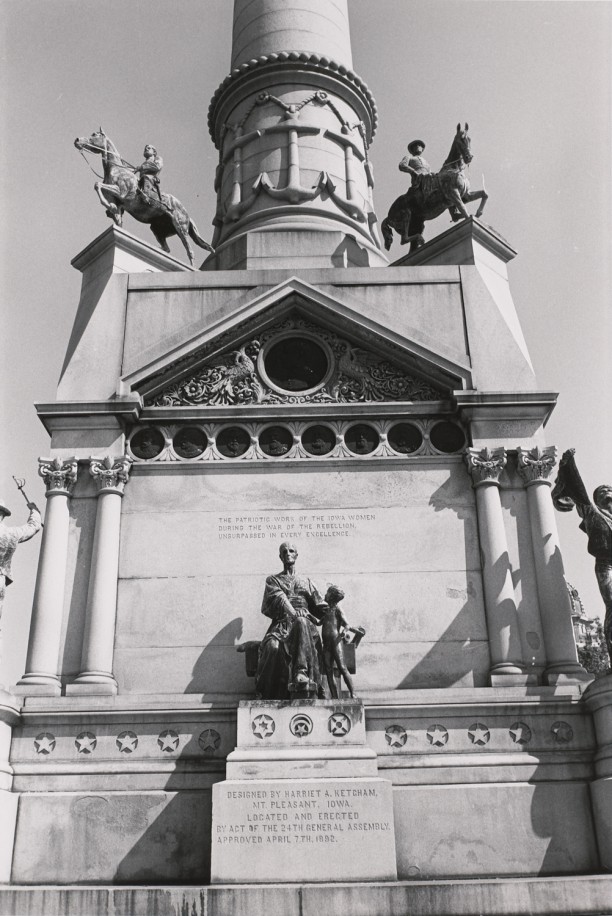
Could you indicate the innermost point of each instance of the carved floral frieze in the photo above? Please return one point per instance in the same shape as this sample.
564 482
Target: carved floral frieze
238 376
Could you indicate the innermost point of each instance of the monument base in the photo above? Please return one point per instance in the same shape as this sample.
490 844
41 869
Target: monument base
303 801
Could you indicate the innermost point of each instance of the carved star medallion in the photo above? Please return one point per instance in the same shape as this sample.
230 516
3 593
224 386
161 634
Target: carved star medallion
396 736
520 733
263 726
44 743
479 734
85 743
563 733
437 735
168 741
209 740
339 724
300 725
127 742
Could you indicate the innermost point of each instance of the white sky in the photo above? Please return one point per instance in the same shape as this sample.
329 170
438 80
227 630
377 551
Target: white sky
532 79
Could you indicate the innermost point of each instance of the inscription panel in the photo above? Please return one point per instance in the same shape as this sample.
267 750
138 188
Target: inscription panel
311 830
275 526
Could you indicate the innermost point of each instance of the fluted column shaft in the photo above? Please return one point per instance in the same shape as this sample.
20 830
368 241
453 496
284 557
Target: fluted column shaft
41 675
485 467
96 674
535 467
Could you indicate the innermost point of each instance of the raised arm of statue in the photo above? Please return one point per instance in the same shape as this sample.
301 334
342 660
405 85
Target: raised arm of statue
569 489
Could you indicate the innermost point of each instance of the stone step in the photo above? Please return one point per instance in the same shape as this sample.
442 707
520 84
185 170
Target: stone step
584 895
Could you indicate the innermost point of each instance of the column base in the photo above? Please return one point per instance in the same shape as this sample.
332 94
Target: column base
92 684
568 673
42 685
512 680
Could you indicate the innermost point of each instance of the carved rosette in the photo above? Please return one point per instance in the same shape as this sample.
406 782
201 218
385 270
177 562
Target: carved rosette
536 465
485 465
59 474
110 474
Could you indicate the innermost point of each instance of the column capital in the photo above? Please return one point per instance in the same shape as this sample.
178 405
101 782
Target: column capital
536 464
485 465
110 474
59 474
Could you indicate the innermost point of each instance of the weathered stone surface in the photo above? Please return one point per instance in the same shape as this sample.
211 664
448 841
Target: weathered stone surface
304 830
112 837
501 829
588 895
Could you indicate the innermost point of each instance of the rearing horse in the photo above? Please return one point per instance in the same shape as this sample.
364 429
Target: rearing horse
448 189
119 192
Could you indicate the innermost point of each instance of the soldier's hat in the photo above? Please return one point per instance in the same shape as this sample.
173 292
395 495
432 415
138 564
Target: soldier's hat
4 508
412 146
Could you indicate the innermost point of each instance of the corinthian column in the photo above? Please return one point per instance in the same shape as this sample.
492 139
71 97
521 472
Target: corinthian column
42 662
96 675
535 467
485 467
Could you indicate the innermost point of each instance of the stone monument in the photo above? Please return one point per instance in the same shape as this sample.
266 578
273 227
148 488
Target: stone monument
389 423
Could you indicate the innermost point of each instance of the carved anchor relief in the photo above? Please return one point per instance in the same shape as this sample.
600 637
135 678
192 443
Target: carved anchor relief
294 192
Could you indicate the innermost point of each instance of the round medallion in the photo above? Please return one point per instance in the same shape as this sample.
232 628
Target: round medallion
85 742
300 725
361 439
127 742
405 438
168 741
520 733
209 740
44 743
339 724
396 736
263 726
437 735
233 442
275 441
318 440
189 442
295 363
147 443
447 437
562 732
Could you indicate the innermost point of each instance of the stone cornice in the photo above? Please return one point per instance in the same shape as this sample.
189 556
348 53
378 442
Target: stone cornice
304 60
56 414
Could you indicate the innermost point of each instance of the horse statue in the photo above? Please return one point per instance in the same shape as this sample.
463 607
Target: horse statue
447 189
118 192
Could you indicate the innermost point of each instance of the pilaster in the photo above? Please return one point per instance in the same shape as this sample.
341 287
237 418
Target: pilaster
41 674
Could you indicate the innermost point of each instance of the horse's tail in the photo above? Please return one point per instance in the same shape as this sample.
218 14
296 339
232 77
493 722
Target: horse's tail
195 235
387 233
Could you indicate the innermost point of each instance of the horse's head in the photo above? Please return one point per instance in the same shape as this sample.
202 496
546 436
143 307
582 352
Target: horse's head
463 143
96 143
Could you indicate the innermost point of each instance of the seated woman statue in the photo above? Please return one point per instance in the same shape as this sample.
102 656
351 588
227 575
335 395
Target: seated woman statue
290 656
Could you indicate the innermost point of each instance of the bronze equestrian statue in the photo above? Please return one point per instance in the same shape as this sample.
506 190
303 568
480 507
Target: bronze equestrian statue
126 188
432 193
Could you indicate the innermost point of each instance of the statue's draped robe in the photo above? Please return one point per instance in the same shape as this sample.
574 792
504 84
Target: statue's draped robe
291 642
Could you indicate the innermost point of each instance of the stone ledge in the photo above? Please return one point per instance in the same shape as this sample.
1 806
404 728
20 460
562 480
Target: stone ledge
584 895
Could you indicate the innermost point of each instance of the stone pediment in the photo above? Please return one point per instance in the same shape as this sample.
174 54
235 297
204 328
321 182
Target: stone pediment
294 345
295 361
